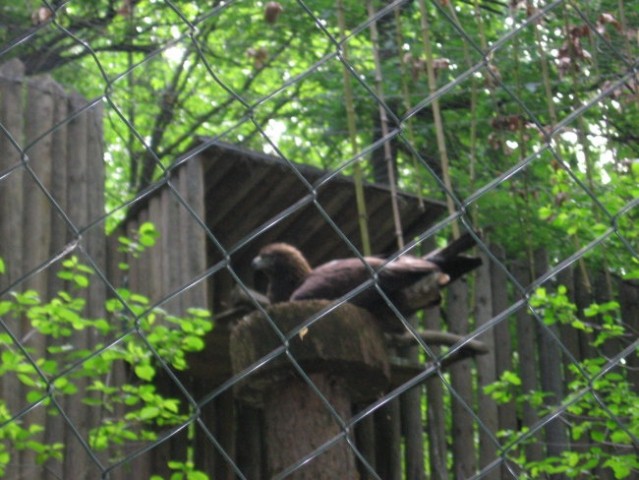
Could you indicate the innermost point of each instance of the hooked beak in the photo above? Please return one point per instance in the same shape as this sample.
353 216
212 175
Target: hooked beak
258 263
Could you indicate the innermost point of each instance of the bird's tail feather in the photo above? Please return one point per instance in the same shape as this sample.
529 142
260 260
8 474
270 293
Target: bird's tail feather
454 248
449 259
457 266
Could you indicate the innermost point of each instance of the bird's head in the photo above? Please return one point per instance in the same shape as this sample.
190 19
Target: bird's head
281 258
285 267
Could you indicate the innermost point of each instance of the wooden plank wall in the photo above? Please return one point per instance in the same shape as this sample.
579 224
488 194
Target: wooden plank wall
51 190
169 274
521 344
166 272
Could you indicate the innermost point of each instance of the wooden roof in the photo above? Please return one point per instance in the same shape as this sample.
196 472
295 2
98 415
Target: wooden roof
253 199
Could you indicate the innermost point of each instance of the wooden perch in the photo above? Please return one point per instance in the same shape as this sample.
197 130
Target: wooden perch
403 370
344 356
436 337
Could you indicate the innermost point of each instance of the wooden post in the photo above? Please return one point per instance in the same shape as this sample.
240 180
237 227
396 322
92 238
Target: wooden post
343 355
464 455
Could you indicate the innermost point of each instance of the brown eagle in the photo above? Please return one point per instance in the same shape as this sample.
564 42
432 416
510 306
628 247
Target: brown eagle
410 283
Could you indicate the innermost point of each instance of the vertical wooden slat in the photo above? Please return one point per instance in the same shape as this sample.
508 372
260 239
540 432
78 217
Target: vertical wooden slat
486 369
143 261
37 209
59 187
436 420
503 351
526 348
365 438
194 237
412 426
166 242
77 165
629 303
95 242
76 459
175 211
184 222
55 425
133 274
569 335
249 440
387 441
583 298
168 229
95 238
464 455
11 207
156 267
11 195
37 213
550 372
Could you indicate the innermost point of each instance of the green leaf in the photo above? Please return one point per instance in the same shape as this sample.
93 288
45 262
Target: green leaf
148 413
5 307
81 281
85 269
621 437
28 298
511 377
102 326
545 213
197 476
193 344
621 465
65 275
33 396
145 372
199 312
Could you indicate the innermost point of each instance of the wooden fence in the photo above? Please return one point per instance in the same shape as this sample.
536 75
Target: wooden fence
51 206
398 440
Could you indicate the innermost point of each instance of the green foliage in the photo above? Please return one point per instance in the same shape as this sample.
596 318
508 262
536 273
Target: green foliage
183 471
15 437
602 404
139 241
134 337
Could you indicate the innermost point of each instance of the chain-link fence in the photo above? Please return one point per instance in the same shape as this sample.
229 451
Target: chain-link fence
139 342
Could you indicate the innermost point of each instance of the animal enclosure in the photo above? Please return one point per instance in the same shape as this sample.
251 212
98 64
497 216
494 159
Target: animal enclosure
135 338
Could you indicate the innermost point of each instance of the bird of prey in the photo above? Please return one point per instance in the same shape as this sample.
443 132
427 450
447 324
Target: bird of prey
410 283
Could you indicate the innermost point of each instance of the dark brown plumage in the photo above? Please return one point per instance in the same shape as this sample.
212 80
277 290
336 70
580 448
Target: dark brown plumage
410 283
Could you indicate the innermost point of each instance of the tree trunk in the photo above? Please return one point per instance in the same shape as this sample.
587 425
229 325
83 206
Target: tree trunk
291 412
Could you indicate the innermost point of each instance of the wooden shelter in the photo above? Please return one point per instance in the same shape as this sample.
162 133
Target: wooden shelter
214 210
227 202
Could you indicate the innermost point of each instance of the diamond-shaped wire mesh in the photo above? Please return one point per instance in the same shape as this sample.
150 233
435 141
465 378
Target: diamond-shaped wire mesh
135 342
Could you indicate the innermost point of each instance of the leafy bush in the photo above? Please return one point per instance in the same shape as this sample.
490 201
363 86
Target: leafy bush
601 405
133 336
